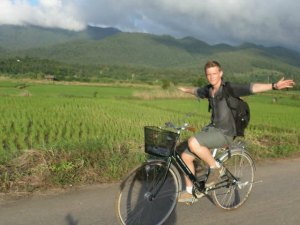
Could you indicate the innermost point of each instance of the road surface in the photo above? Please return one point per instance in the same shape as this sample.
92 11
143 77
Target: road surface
274 201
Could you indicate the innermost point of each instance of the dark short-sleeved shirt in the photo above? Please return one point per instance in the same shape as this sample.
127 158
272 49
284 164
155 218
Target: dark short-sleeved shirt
221 115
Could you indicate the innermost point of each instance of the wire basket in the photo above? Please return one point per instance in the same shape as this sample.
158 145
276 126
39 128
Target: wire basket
159 142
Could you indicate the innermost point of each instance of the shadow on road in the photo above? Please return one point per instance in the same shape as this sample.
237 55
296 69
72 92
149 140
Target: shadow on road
71 220
138 205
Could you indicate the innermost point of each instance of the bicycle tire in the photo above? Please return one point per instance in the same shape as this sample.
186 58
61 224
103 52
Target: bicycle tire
242 167
134 207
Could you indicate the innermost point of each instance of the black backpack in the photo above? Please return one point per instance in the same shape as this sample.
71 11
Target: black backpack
239 108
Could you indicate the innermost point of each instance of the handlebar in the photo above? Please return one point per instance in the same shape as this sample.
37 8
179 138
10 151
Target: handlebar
183 127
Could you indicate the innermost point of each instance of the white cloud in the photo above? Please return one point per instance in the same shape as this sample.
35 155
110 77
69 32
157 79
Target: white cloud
51 3
48 13
269 22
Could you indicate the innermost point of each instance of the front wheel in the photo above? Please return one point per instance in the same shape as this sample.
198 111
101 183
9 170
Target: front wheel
237 184
140 200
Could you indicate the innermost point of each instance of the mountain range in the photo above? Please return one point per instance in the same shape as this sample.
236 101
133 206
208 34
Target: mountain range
97 46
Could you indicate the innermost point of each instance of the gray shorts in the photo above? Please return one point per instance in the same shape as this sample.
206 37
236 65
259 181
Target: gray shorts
212 137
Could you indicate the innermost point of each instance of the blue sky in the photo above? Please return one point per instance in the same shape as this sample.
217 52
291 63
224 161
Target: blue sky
267 22
33 2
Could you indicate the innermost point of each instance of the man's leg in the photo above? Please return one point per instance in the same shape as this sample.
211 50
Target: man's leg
202 152
187 195
188 158
207 137
216 170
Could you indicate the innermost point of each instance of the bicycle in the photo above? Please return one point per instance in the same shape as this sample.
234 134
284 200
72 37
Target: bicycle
148 195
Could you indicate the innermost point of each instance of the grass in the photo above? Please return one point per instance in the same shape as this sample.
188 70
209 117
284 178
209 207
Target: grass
62 134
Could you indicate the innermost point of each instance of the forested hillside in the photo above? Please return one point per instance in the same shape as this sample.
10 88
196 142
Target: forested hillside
107 53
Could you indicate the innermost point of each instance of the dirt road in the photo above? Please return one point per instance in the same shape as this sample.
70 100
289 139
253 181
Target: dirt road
275 201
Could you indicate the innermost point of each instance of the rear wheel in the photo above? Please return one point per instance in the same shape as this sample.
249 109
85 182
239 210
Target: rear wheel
236 187
137 202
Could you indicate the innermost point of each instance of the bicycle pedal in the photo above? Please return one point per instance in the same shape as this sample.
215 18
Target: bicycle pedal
195 200
189 203
223 177
207 190
200 195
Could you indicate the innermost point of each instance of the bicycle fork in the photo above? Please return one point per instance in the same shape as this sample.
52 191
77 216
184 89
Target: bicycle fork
152 193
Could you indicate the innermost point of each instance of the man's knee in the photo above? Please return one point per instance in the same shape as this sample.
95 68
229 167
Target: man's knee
187 157
193 144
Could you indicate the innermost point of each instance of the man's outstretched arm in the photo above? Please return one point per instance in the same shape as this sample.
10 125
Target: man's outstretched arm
188 90
281 84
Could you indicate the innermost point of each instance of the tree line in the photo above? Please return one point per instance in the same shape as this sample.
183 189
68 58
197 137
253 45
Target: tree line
39 68
34 68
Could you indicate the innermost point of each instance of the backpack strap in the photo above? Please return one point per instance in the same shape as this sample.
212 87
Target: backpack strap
227 90
227 93
209 87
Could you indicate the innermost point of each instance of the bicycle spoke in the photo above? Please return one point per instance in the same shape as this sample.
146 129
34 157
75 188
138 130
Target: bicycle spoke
229 193
165 195
134 217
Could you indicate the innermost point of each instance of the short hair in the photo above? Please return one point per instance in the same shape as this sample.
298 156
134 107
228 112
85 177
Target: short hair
212 63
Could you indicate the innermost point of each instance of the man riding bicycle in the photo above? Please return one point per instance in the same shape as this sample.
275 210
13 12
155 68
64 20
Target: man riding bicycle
221 131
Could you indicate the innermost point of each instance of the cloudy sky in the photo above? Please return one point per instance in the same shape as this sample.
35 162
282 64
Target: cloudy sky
265 22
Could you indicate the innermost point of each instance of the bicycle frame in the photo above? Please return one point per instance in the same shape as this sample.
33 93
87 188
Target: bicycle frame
155 186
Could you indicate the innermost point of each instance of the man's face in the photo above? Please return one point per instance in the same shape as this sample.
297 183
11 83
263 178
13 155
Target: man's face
214 75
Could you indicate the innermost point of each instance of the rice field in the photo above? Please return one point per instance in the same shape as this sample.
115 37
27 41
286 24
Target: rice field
106 123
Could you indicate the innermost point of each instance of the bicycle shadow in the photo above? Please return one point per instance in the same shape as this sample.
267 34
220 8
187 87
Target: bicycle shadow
138 207
71 220
172 219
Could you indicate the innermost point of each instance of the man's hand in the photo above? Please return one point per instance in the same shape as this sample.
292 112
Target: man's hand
282 83
182 89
